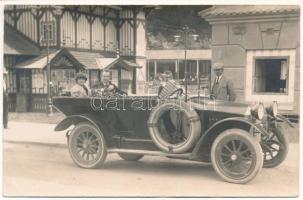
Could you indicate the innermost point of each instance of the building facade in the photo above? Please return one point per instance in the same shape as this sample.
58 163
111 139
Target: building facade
198 68
260 49
71 39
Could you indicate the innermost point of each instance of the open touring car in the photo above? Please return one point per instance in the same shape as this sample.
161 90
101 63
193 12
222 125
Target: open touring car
237 139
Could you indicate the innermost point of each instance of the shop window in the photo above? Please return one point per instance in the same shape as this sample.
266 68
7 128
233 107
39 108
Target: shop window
39 85
191 72
94 77
204 74
114 76
150 70
163 66
63 80
271 75
48 31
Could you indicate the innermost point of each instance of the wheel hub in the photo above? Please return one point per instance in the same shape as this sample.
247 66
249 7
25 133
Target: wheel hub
86 145
233 157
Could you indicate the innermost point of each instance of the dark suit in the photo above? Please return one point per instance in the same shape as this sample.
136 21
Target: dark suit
223 90
106 91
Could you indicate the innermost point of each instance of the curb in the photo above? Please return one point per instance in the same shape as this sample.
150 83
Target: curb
36 143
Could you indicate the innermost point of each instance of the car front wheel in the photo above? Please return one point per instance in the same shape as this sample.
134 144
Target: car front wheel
236 156
275 148
87 146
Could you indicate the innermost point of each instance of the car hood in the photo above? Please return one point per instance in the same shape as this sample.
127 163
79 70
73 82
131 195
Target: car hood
220 106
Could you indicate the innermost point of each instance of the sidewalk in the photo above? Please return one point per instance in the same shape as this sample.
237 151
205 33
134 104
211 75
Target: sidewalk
30 132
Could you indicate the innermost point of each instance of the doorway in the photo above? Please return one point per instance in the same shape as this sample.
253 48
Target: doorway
24 90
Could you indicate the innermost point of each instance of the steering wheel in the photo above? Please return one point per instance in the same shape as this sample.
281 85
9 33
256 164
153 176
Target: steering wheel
177 92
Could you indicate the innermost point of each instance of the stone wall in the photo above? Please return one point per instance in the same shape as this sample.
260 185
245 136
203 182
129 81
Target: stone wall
231 41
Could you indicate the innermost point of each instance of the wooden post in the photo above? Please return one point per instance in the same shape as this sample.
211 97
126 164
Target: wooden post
119 79
58 24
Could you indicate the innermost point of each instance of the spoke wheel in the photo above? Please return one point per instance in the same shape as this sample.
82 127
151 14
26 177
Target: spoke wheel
236 156
87 146
275 148
130 157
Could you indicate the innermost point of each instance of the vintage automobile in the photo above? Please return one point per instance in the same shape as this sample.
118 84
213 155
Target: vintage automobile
237 139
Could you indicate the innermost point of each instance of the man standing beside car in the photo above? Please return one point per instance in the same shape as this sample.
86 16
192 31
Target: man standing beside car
222 89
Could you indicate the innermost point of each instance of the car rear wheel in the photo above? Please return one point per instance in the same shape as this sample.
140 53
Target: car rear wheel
87 146
275 148
130 157
236 156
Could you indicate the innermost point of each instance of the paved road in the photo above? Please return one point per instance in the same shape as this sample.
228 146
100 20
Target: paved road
34 168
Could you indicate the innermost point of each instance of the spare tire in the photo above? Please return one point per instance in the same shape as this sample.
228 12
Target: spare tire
192 121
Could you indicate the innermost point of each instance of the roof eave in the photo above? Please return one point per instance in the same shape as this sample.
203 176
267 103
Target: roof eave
252 18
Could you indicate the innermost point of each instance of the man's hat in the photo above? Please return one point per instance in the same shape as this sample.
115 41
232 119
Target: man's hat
218 65
81 75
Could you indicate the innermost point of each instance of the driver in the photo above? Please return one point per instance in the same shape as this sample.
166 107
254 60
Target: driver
106 87
168 86
171 121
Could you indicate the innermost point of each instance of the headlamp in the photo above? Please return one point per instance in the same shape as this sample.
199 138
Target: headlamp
257 111
273 109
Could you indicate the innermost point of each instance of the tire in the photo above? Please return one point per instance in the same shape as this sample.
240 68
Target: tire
275 148
192 121
239 149
87 140
130 157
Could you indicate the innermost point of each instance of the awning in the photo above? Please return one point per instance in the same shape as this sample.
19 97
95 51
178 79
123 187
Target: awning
79 59
37 63
115 63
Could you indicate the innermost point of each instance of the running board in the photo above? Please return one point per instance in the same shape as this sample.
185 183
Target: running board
151 153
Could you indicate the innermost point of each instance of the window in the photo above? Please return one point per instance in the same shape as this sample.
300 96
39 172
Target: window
114 76
163 66
63 80
39 85
204 73
48 31
191 71
271 75
94 77
150 70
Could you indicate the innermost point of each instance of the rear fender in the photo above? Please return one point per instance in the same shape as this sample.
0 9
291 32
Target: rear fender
76 119
203 145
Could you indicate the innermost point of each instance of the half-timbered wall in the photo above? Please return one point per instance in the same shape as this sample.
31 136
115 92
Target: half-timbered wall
110 39
67 30
83 33
126 33
83 27
26 24
97 35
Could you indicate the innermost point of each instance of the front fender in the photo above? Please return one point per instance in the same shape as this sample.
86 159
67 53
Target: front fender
75 119
204 143
281 117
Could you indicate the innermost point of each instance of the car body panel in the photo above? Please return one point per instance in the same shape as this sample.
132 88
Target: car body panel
124 121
